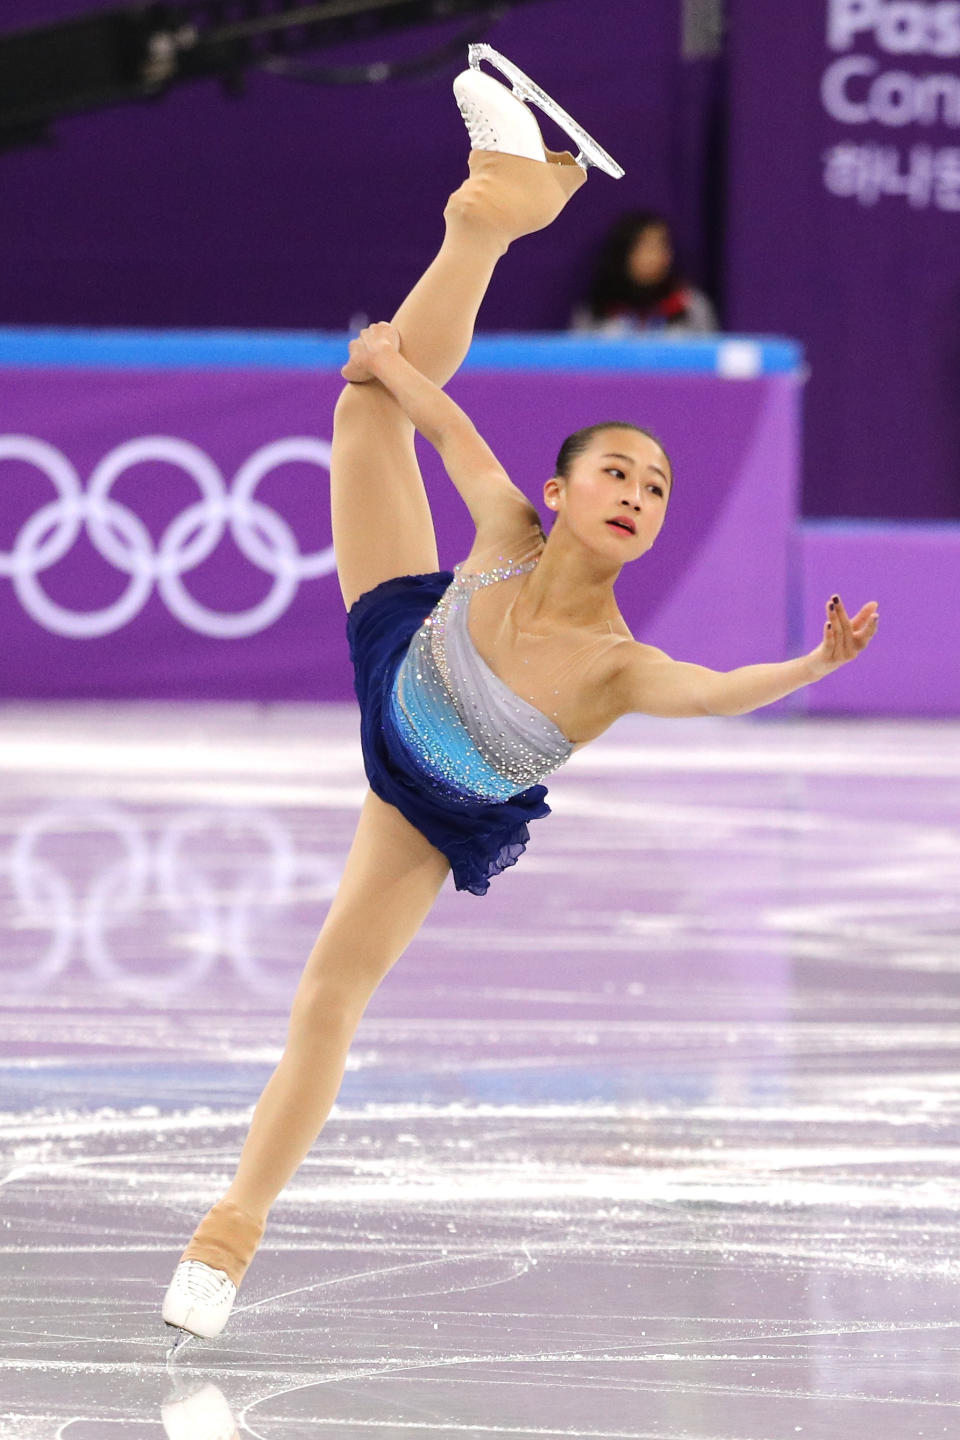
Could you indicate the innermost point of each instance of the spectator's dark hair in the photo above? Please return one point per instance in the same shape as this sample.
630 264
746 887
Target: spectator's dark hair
579 441
612 290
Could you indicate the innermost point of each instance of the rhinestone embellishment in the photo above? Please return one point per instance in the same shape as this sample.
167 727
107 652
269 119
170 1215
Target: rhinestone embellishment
471 733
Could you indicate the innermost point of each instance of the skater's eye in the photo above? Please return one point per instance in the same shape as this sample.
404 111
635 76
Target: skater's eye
612 470
657 490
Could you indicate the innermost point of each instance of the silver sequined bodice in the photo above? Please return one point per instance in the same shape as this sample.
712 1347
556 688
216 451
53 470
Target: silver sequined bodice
467 727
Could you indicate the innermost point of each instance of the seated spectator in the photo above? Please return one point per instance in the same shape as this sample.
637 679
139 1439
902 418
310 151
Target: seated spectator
637 286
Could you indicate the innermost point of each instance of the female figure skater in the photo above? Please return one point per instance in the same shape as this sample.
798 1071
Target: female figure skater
472 685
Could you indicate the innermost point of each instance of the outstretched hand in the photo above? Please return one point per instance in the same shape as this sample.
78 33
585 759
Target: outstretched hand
844 638
372 342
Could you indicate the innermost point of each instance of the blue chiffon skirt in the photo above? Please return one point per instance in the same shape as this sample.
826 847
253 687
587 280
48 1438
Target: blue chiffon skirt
479 837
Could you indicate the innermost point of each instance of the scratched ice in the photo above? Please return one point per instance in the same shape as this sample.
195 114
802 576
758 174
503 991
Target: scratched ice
658 1140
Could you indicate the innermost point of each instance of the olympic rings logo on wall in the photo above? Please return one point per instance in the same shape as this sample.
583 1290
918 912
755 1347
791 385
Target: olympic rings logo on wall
124 541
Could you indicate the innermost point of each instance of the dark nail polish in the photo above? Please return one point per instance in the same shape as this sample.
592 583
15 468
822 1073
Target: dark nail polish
831 604
836 599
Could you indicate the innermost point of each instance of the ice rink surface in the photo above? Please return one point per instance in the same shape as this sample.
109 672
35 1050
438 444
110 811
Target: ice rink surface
657 1141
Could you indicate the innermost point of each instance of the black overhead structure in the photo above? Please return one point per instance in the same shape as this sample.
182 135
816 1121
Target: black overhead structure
138 53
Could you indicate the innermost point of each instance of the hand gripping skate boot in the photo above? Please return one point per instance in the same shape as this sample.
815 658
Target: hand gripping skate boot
495 122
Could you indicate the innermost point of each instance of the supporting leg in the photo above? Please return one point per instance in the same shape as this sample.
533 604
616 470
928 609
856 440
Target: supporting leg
389 884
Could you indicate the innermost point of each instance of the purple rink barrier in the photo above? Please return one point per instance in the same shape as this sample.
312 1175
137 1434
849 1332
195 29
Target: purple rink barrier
164 529
913 666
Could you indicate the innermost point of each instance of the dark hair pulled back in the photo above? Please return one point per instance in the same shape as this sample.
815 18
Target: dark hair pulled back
580 441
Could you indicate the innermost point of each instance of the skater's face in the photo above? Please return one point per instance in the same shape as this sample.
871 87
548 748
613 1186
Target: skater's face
650 255
614 498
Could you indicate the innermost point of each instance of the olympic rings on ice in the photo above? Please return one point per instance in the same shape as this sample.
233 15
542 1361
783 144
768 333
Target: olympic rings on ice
154 880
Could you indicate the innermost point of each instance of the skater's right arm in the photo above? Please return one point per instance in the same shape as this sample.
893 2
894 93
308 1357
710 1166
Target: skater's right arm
488 492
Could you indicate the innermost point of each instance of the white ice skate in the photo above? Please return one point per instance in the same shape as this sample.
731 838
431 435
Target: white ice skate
199 1299
496 121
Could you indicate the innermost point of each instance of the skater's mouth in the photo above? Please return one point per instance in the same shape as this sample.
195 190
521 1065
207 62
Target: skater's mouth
623 523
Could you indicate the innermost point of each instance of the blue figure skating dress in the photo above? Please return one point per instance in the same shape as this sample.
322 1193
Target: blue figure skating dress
443 738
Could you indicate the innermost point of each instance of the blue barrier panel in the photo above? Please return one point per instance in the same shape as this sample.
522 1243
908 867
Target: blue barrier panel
730 356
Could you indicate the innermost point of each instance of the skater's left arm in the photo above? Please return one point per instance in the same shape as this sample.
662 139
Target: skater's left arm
486 488
648 681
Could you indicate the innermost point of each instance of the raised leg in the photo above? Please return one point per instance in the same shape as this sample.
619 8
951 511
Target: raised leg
503 198
380 514
390 881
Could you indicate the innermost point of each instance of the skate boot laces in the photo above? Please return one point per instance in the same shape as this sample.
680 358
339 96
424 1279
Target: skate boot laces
481 132
201 1283
199 1299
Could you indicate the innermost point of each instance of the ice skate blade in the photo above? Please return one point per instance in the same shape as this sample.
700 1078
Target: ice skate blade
526 89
